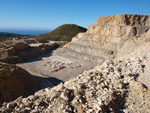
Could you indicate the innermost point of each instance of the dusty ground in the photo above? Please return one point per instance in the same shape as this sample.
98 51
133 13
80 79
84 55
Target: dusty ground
56 65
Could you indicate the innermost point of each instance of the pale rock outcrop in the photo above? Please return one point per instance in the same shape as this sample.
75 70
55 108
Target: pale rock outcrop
110 37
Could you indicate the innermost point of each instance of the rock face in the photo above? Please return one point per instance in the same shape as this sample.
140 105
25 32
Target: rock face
20 46
16 82
110 37
21 52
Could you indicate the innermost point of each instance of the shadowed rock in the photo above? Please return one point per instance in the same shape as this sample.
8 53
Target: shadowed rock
16 82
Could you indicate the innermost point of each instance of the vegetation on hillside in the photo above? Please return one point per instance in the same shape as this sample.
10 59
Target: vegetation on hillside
5 69
62 33
5 35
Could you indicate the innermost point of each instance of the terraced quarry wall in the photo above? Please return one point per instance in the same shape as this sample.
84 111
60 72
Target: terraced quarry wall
111 37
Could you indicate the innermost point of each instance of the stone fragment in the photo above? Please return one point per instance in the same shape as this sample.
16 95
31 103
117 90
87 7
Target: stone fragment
11 105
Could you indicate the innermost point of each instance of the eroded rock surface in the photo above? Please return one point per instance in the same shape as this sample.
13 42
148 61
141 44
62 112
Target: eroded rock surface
111 37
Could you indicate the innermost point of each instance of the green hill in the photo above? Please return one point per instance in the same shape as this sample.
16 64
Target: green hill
62 33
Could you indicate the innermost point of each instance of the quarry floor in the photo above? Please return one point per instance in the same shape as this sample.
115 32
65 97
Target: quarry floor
55 65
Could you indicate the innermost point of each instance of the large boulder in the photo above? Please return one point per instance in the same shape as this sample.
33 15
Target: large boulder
20 46
3 54
11 51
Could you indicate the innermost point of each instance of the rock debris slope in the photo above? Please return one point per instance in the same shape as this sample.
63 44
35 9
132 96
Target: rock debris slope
119 84
110 87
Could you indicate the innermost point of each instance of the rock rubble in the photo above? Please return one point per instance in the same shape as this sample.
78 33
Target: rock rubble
110 87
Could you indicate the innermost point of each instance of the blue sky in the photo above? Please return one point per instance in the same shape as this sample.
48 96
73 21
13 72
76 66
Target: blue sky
48 14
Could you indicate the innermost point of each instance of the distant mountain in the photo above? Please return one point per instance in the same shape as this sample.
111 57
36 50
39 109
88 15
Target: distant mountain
5 35
62 33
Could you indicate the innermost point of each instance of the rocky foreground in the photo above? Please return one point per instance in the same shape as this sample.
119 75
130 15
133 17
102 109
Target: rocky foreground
111 87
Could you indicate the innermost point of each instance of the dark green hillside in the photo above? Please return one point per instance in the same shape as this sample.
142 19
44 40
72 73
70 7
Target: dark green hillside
5 35
62 33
